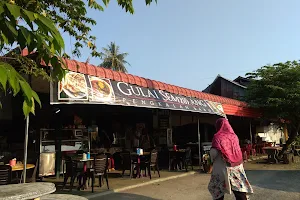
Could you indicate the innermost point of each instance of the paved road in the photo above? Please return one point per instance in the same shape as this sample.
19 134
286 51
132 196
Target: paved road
267 184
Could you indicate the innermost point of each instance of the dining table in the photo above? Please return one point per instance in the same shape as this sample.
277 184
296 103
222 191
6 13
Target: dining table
84 184
273 153
140 159
174 156
30 191
20 167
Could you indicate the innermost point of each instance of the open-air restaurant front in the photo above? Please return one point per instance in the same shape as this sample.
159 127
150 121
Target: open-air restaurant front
92 129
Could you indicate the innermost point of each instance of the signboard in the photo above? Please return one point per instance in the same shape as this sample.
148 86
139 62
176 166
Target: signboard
80 88
163 122
169 137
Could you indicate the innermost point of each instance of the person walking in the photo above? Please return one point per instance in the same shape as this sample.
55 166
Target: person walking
228 174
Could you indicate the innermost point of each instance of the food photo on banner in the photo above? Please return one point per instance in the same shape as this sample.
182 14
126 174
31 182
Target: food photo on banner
101 90
73 87
81 88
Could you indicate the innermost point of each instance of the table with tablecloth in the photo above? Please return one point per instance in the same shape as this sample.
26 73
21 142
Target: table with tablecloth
272 153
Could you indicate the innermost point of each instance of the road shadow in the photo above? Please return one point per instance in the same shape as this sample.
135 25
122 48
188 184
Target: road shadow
283 180
122 196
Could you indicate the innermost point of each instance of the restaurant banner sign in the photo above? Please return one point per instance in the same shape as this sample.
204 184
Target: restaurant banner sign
81 88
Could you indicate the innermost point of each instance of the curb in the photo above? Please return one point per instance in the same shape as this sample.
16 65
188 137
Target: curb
138 185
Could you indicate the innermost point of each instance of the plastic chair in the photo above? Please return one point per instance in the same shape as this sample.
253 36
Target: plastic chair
71 172
5 174
253 150
100 169
187 159
244 153
173 161
128 162
153 163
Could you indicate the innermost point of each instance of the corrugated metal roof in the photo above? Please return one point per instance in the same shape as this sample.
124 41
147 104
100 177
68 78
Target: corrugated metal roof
221 77
231 106
89 69
241 111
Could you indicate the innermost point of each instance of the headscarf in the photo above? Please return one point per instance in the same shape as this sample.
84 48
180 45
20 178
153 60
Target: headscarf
227 142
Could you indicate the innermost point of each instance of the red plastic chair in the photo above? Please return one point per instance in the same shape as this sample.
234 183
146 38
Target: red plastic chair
244 152
247 151
253 150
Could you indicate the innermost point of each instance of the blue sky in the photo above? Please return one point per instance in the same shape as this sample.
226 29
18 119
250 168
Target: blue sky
188 42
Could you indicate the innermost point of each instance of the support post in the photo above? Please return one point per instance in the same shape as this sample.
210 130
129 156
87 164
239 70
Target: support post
58 142
251 133
25 148
199 145
26 140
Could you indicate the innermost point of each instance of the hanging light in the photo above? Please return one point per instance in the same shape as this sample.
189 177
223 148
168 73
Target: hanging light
56 110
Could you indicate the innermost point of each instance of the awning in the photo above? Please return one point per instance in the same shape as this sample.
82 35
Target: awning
241 111
230 106
78 88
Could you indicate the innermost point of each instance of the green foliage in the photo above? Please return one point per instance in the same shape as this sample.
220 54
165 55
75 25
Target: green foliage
113 59
128 4
26 29
297 140
33 24
16 82
276 90
72 17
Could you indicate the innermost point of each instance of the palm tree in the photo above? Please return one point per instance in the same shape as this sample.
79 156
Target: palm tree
113 59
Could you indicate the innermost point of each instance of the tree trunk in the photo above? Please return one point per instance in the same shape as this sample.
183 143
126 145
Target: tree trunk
291 139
